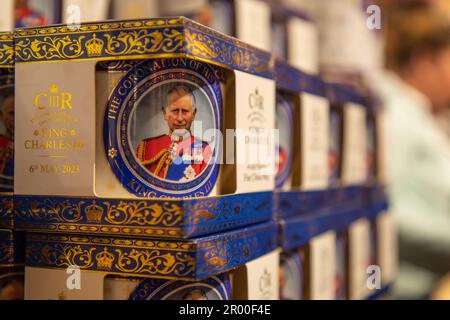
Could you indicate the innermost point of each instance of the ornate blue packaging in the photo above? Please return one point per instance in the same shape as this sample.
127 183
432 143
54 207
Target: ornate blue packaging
120 152
142 218
306 96
178 260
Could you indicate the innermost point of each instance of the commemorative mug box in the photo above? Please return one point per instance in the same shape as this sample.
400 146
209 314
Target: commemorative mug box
247 20
292 275
256 279
142 110
352 144
302 152
354 138
320 267
312 254
12 253
295 37
6 129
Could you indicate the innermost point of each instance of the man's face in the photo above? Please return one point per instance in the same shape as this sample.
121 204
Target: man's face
180 112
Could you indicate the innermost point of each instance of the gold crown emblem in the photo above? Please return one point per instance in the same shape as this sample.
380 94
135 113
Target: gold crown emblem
104 259
94 46
54 89
94 212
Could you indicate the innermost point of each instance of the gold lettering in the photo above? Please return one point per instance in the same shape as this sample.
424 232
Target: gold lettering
36 100
66 98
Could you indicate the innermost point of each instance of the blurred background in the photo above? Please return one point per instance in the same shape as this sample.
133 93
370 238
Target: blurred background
395 50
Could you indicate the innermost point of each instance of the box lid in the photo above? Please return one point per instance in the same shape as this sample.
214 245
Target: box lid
298 231
292 79
140 39
161 218
184 260
296 202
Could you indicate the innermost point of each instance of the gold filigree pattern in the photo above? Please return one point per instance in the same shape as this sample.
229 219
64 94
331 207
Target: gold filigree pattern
143 42
50 47
61 211
154 262
141 213
202 45
6 50
202 211
136 39
94 27
71 256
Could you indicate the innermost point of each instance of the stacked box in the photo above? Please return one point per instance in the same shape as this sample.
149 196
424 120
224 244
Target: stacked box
121 172
303 98
247 20
11 242
295 37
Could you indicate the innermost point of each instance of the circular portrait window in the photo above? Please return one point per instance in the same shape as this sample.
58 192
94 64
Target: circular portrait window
162 126
284 124
291 277
334 147
214 288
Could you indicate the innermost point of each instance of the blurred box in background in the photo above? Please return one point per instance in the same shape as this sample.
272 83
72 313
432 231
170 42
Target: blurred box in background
76 11
134 9
29 13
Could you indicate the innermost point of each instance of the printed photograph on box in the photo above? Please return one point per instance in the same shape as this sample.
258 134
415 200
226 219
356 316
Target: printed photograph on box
335 145
285 126
371 146
214 288
6 130
291 276
160 127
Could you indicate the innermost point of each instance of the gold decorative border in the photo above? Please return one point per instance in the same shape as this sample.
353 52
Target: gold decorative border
6 50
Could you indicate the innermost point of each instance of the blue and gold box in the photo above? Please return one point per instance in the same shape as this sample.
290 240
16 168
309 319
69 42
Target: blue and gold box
103 262
348 153
142 218
12 253
168 259
247 20
295 37
87 164
303 98
6 129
